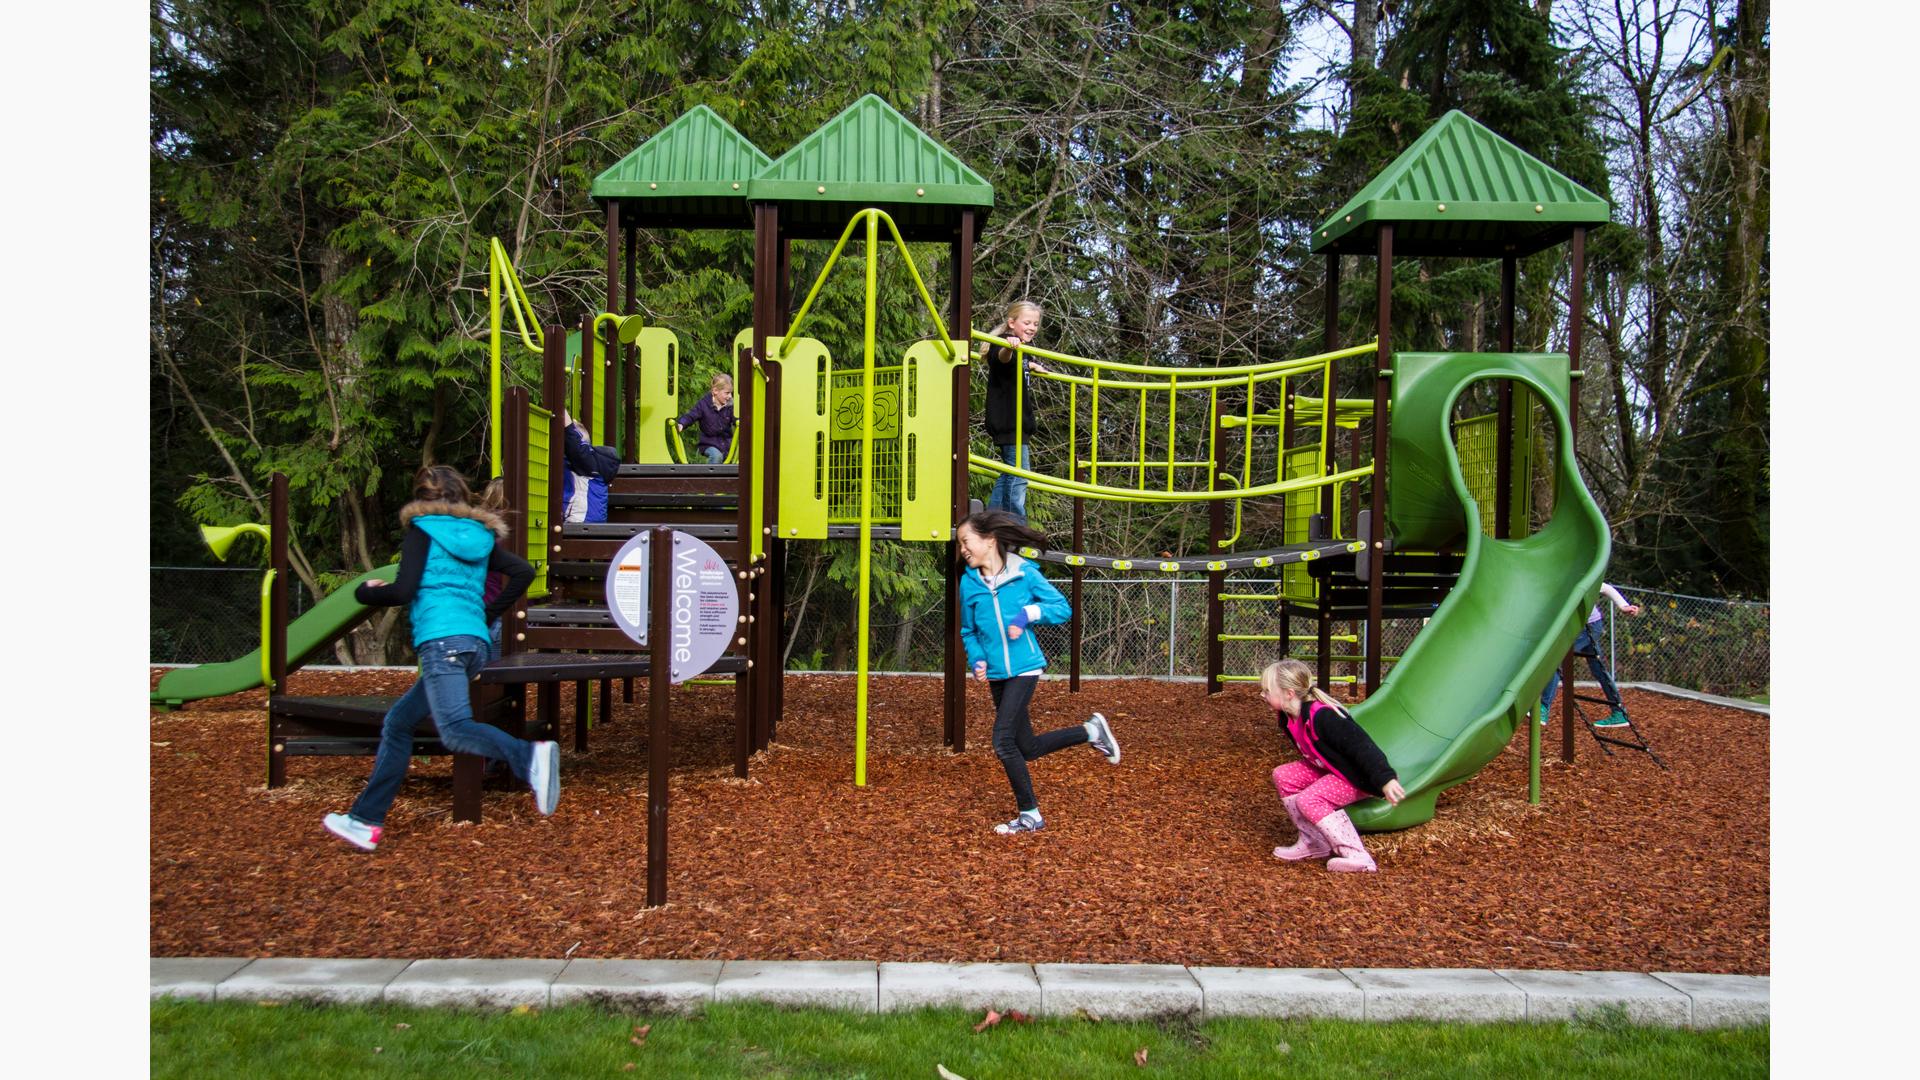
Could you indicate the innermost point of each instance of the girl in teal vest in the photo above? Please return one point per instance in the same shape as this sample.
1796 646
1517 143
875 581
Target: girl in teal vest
449 548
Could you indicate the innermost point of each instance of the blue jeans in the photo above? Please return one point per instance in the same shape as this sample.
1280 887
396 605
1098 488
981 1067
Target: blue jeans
1010 492
447 668
714 454
1587 645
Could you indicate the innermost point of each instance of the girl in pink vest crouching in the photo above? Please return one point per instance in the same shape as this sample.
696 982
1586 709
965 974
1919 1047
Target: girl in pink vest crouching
1339 765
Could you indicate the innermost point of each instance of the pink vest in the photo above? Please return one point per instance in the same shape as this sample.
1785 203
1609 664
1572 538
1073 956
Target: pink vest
1301 730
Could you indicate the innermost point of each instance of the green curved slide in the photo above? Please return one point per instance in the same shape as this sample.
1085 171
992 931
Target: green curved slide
306 635
1467 682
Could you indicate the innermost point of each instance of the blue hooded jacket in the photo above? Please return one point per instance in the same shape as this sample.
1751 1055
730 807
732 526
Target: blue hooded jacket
1018 596
450 599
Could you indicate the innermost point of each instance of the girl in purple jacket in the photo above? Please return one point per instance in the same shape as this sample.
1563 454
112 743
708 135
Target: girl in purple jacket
1339 765
714 414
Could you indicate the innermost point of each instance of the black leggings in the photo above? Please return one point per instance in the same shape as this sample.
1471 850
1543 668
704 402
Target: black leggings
1014 741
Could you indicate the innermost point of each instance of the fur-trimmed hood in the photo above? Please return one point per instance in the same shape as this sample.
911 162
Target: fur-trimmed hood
422 508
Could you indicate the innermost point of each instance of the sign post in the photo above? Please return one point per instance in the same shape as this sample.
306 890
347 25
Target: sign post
684 632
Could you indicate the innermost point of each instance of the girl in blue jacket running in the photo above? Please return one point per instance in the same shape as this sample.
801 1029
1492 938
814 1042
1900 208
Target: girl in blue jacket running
1001 595
445 556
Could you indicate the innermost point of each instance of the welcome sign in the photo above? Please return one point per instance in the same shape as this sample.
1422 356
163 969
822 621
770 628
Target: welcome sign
703 602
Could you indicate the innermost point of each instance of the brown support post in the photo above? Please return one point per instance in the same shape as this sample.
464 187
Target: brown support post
1286 441
605 432
1075 624
276 644
583 370
513 447
960 328
553 395
630 378
605 704
773 578
659 684
582 713
765 254
613 255
1331 333
1376 543
1503 438
777 549
1217 579
1323 663
469 772
1577 294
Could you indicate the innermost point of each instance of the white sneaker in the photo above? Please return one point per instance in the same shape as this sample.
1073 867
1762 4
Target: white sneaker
1025 822
1101 738
543 776
358 833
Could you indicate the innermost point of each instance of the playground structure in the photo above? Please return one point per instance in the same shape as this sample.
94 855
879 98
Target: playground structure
879 451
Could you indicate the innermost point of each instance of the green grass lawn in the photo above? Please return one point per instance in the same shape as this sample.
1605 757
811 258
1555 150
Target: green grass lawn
195 1039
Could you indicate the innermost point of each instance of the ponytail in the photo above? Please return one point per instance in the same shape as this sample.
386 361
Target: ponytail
1007 531
1297 676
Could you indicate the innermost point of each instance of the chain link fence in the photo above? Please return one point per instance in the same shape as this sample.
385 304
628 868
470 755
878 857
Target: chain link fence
1157 627
1719 646
207 614
1131 625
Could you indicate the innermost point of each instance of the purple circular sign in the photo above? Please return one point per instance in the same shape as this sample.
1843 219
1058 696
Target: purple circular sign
703 611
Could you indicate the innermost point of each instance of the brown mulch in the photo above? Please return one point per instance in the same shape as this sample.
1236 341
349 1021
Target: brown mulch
1164 858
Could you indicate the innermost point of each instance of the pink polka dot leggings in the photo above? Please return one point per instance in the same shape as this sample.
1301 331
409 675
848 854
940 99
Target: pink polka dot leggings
1320 792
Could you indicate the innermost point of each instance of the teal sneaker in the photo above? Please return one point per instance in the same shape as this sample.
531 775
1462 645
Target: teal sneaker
1616 718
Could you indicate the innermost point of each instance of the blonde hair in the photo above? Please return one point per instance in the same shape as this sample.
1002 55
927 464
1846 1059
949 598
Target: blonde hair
1297 676
1014 309
494 495
720 379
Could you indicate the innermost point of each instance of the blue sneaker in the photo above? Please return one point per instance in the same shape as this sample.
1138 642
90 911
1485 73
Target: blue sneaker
1100 737
543 776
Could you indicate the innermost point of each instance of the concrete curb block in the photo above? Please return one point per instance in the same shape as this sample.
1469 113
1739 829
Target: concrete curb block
1696 695
1110 991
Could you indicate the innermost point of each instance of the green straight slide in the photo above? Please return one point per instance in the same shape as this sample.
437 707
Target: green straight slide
306 635
1473 673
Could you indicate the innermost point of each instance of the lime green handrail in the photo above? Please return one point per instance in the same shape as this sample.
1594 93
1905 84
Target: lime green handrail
1092 491
501 279
871 216
266 629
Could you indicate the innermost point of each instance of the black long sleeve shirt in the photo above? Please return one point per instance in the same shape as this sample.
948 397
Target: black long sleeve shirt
413 563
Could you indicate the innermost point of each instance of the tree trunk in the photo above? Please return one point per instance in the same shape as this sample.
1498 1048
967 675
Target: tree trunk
1741 484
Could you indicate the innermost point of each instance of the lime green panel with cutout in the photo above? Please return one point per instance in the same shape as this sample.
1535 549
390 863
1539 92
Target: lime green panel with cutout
803 438
926 508
658 397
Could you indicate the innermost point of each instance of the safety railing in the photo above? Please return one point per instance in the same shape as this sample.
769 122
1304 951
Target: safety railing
1100 379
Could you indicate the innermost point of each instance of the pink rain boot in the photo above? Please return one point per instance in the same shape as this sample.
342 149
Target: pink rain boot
1311 845
1338 829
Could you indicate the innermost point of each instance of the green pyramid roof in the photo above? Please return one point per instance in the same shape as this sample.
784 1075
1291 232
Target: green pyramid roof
870 155
1460 189
693 172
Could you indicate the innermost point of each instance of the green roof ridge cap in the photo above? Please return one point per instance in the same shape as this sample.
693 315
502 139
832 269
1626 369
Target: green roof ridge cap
1461 170
699 154
870 153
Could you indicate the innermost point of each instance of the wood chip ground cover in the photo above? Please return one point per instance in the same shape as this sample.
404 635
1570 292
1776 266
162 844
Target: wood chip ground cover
1163 858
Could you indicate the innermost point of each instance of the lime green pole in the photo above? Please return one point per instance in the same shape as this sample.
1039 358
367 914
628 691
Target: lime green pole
1533 757
1173 405
866 504
266 631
